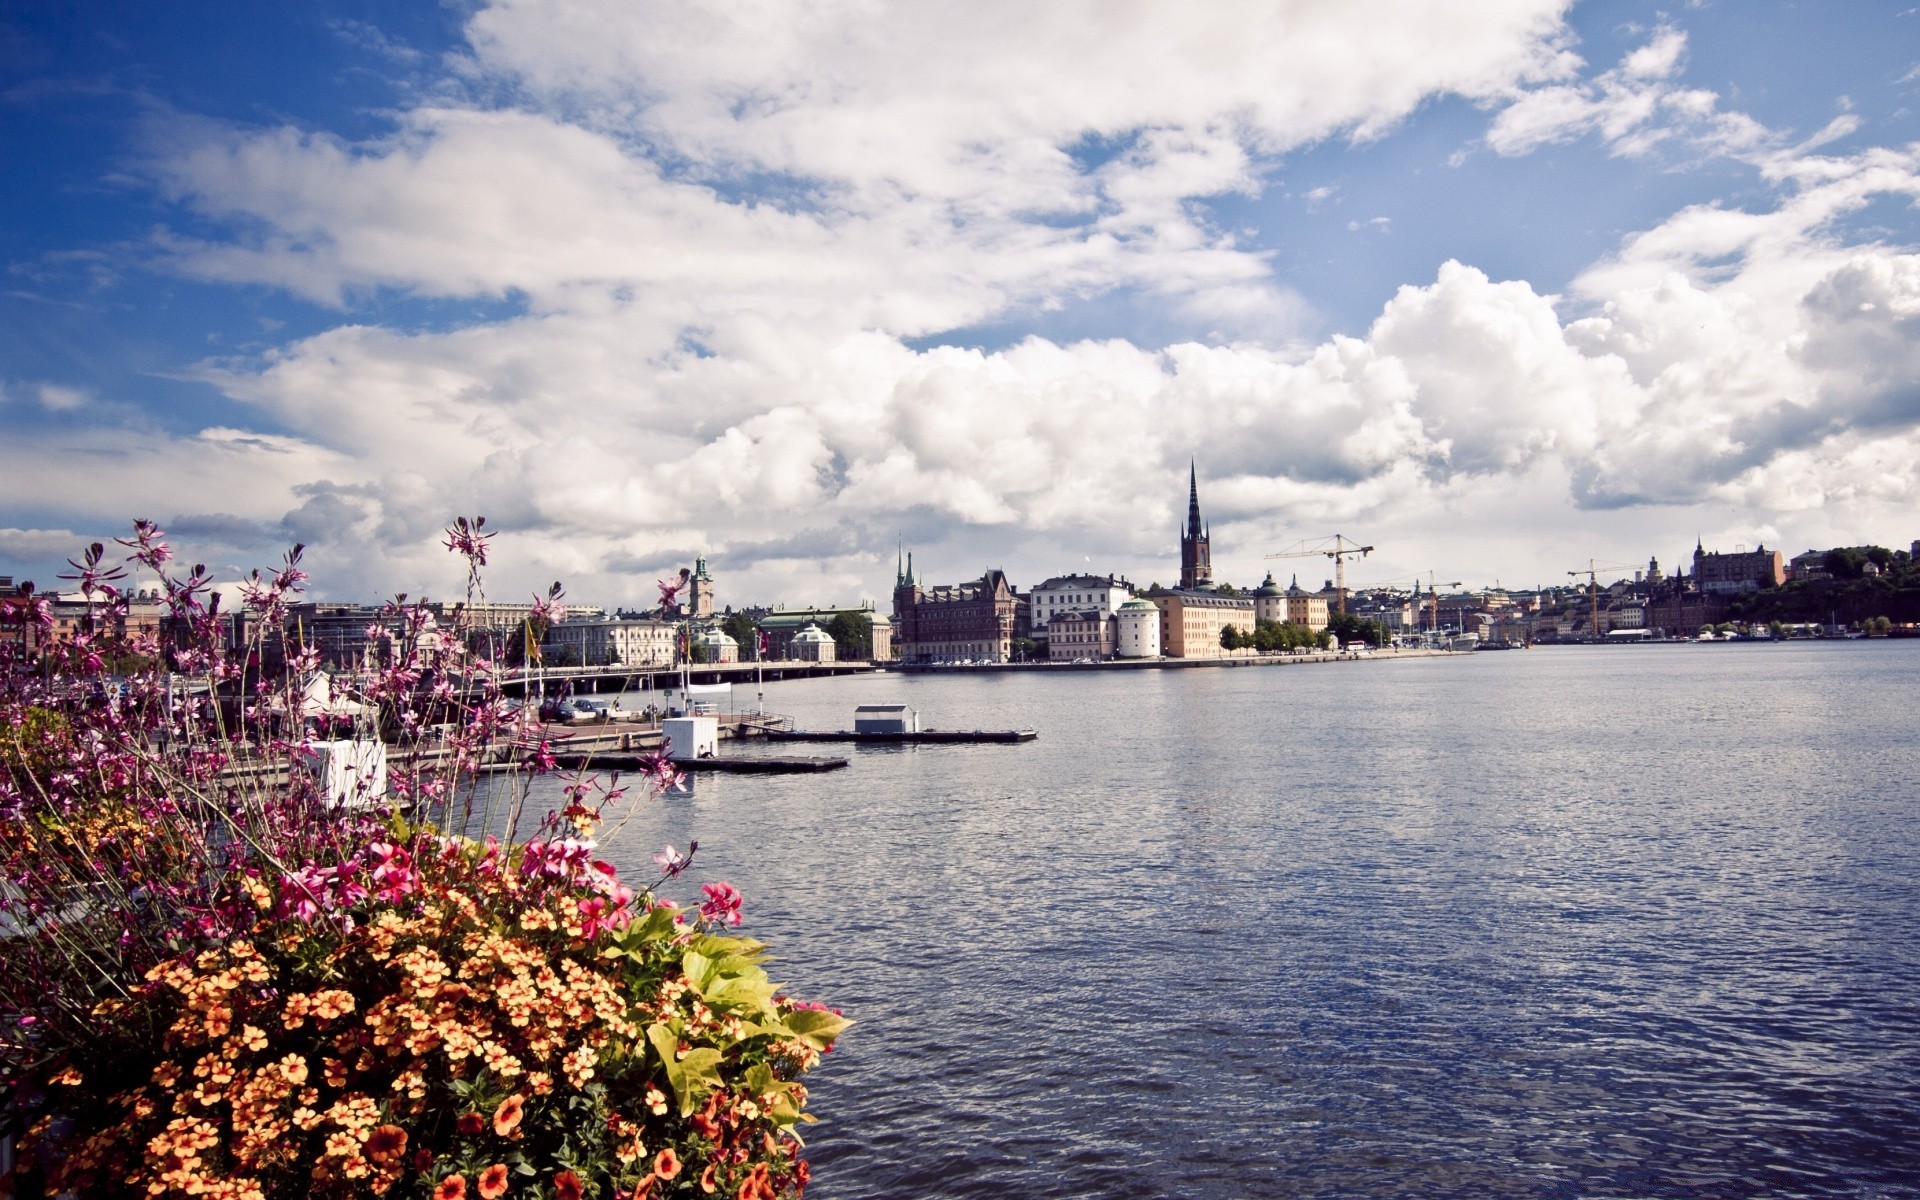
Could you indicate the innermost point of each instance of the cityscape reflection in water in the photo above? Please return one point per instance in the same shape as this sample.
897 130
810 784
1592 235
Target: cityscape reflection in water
1571 922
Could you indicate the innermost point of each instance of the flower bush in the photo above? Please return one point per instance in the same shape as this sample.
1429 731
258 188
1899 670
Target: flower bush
218 983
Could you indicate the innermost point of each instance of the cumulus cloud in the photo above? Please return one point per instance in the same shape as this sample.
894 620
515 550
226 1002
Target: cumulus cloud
729 232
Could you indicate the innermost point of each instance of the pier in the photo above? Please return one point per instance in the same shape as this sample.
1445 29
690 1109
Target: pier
947 737
757 764
655 678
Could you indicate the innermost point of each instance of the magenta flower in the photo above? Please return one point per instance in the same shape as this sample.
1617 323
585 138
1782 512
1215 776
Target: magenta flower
722 905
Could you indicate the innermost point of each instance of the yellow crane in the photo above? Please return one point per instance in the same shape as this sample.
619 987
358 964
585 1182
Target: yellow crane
1592 572
1339 549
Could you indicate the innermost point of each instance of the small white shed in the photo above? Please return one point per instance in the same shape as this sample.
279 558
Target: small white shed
885 718
691 737
352 774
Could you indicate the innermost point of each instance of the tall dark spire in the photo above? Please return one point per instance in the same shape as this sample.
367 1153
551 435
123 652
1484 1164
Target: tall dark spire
1196 557
1193 500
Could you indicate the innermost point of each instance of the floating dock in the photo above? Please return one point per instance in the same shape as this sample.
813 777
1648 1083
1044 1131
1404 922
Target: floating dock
759 764
933 736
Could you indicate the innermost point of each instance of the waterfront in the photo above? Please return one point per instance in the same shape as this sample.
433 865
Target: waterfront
1610 921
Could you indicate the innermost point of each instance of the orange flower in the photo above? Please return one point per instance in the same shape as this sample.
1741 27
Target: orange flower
470 1124
756 1186
666 1164
493 1182
707 1184
566 1186
506 1118
386 1145
453 1187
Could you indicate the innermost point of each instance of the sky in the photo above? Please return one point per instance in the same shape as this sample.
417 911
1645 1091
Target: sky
1499 289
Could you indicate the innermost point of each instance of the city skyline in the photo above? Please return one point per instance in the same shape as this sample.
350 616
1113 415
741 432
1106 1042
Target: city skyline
1499 291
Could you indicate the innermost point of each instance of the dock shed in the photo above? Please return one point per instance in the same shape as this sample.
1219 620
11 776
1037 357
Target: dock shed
885 718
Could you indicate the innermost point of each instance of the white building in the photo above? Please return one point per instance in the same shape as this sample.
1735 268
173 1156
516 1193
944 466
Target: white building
1138 630
1103 594
716 645
598 641
812 644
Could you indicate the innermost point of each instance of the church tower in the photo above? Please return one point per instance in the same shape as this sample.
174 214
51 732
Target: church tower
1196 555
700 590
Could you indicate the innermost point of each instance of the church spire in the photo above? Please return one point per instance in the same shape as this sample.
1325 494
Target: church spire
1193 500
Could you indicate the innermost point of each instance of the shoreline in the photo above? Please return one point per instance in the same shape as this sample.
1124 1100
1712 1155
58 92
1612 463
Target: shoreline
1174 664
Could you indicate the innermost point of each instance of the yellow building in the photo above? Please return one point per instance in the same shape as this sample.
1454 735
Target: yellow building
1191 621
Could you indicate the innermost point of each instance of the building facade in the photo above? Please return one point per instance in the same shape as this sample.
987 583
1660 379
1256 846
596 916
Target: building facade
1719 574
1088 633
1103 594
970 622
1136 630
781 625
812 644
1306 608
604 641
1196 541
1191 621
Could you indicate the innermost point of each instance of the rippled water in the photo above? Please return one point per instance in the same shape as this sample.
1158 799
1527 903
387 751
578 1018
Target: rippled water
1608 922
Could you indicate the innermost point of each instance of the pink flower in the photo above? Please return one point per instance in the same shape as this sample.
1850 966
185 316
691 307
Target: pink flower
722 905
672 862
393 875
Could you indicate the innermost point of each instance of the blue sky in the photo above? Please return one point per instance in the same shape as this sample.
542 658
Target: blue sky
1539 282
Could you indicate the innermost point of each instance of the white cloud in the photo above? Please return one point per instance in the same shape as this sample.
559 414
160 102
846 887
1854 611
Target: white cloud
1635 107
727 223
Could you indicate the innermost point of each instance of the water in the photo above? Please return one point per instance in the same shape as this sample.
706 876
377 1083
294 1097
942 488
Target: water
1624 921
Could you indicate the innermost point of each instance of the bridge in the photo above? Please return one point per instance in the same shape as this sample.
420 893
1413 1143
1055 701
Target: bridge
619 677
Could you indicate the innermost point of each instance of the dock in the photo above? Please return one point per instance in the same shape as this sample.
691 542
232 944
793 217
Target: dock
946 737
758 764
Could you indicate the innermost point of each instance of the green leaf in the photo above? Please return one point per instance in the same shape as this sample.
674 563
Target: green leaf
816 1027
692 1077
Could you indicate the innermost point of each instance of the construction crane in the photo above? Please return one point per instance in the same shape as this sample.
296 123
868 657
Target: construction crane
1592 572
1433 598
1337 548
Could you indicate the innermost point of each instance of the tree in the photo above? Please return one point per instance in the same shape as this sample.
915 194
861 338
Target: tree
740 627
1227 589
1350 627
1230 638
852 637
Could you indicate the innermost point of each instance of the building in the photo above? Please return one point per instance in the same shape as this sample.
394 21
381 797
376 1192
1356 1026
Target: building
1719 574
1306 608
714 646
972 622
1811 565
1075 593
1196 542
812 644
700 590
1191 621
1676 611
1270 602
1088 633
598 641
779 627
1137 630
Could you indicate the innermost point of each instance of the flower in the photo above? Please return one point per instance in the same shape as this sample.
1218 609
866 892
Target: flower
506 1118
470 1125
453 1187
493 1182
671 861
666 1164
386 1145
722 904
566 1186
